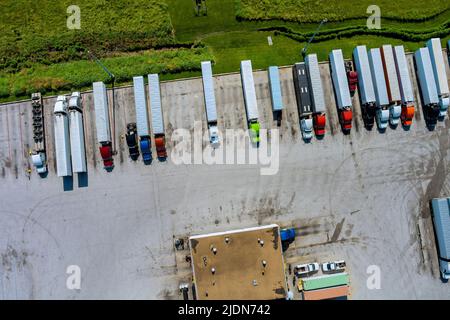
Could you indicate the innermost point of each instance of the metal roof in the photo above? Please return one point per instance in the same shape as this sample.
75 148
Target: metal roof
140 103
208 90
404 77
155 104
275 88
379 82
339 77
312 65
437 62
101 112
426 76
77 147
441 219
391 77
362 66
248 86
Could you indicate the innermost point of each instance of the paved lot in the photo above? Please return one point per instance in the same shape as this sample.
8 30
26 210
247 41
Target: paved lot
361 197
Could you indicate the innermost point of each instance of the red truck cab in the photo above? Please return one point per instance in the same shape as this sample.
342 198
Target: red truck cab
407 115
106 153
160 143
345 118
352 77
319 121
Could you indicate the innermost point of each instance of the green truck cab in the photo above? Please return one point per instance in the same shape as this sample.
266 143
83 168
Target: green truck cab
254 131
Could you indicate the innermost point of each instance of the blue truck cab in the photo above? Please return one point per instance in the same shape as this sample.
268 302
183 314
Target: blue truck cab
146 149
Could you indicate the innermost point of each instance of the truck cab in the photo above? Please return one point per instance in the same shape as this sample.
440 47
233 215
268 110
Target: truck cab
160 143
214 136
407 115
319 121
306 125
352 77
146 149
132 140
39 163
395 112
382 118
443 106
444 267
345 118
254 131
106 153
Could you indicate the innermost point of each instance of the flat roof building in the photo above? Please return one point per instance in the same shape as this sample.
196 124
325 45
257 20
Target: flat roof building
240 264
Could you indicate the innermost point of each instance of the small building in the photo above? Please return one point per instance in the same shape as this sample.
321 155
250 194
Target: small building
240 264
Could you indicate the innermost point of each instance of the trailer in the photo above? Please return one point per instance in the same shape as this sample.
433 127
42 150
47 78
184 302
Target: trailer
392 85
210 103
325 281
78 151
304 103
428 88
275 93
365 83
440 75
251 107
38 154
406 89
140 103
327 293
379 84
317 95
341 89
102 123
62 140
441 222
157 116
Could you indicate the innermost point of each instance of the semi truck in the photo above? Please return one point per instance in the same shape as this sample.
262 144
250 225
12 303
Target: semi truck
275 93
132 141
304 103
352 77
392 85
251 107
341 90
38 154
62 140
157 116
210 103
440 76
78 151
428 88
317 95
102 123
379 84
365 83
140 103
406 90
441 221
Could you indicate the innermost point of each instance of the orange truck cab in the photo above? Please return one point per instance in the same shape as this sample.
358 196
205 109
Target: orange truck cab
345 117
319 121
407 115
106 153
160 143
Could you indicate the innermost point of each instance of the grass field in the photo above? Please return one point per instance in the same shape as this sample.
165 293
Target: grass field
141 36
337 10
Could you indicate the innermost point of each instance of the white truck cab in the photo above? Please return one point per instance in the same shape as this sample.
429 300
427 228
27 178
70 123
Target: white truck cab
39 163
306 126
214 136
382 118
395 112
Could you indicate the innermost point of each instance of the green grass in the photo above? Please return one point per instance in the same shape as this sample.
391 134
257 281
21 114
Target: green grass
337 10
80 74
36 31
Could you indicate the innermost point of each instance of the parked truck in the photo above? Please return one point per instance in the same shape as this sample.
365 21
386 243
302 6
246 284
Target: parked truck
78 151
365 83
251 107
157 116
428 88
38 154
440 75
304 103
341 89
441 221
379 84
317 95
210 103
352 77
392 85
275 93
140 103
102 123
62 140
406 89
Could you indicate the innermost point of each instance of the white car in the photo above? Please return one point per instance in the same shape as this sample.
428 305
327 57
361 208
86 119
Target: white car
333 266
306 268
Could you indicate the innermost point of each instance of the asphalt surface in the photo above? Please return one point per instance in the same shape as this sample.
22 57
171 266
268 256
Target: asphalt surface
361 197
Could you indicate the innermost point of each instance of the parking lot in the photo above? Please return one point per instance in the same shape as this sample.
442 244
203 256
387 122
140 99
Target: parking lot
361 197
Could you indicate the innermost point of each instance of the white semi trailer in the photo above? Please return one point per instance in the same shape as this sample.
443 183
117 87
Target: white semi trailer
440 76
210 103
77 146
62 140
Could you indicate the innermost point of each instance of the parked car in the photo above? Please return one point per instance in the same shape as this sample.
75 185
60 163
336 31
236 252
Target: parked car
132 141
333 266
307 268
